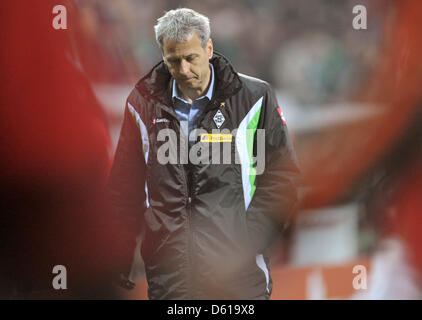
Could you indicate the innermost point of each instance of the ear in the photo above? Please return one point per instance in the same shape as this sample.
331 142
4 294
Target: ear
209 48
165 62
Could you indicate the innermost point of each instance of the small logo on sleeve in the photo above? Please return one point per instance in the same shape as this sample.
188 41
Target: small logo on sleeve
281 115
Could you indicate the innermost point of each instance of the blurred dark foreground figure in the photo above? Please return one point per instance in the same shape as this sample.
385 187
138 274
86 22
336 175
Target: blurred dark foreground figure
394 201
55 160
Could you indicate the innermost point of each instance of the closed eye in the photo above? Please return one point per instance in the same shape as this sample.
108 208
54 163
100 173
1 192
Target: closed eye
173 61
191 57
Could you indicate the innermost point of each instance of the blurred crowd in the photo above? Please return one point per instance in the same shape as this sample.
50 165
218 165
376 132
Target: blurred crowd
322 57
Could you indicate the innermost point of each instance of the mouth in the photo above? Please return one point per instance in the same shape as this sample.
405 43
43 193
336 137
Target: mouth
188 80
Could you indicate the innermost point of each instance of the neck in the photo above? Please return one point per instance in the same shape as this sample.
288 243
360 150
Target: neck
191 95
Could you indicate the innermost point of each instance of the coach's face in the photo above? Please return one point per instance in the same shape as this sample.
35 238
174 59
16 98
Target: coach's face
188 63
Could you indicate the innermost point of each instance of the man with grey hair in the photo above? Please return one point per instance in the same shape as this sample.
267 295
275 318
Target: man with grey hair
207 225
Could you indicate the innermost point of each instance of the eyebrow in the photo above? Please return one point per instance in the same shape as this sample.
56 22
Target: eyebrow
192 55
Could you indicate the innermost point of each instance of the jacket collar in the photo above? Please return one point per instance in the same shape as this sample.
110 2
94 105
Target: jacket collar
156 85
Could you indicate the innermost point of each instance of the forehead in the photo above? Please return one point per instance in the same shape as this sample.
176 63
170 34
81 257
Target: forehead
182 49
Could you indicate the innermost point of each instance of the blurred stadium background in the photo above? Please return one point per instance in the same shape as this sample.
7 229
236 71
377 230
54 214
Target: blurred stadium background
351 98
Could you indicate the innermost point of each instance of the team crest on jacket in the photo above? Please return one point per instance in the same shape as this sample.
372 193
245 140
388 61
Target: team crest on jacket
219 119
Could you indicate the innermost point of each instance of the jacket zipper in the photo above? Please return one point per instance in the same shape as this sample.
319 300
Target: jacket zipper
189 224
190 250
189 183
191 270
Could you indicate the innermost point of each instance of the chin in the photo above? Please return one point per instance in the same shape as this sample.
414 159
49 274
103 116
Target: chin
192 86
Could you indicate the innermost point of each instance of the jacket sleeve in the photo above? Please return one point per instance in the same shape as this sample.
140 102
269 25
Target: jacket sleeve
127 186
275 198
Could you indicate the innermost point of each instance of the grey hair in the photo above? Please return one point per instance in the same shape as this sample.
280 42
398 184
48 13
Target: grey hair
176 25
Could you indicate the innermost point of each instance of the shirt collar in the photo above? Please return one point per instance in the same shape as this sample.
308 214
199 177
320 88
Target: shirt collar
209 92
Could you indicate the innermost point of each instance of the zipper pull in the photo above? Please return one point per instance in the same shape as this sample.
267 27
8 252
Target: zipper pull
189 200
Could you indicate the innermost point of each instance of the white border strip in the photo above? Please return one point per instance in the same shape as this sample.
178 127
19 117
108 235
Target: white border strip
263 266
145 142
242 148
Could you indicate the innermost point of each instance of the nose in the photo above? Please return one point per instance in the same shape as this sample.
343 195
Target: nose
184 69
